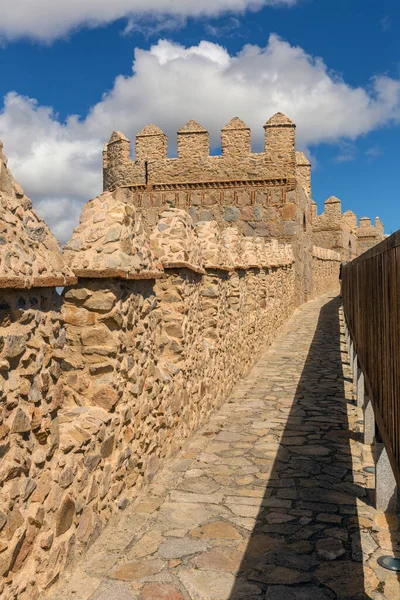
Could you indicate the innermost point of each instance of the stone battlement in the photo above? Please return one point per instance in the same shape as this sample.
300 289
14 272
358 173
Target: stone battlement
339 232
194 163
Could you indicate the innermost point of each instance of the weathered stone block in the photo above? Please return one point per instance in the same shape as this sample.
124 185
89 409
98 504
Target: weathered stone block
65 515
105 397
232 214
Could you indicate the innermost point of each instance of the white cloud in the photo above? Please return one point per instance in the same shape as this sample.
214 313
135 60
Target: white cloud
374 152
347 152
59 164
47 20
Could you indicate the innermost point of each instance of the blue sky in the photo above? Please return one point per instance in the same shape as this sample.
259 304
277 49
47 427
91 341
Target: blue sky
332 66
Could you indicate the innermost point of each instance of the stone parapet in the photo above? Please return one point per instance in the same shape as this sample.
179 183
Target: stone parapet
339 232
194 164
30 255
113 240
110 241
325 254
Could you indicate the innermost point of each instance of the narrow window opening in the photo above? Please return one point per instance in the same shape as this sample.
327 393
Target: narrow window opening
304 223
146 171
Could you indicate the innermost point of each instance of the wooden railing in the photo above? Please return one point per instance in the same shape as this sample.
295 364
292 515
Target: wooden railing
371 302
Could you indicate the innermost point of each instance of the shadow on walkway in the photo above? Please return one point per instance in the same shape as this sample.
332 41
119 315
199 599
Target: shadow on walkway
308 523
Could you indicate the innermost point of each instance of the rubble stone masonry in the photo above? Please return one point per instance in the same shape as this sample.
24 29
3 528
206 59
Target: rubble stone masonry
164 307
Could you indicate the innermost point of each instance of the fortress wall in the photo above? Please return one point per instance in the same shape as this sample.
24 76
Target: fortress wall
272 209
32 342
122 372
325 265
255 209
98 387
265 194
194 163
339 232
369 235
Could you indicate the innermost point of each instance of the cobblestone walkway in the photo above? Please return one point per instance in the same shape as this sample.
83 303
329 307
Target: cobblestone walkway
269 500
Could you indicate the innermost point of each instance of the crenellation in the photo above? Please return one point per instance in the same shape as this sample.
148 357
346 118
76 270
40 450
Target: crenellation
151 144
339 232
333 208
379 226
349 221
313 210
194 163
236 139
30 255
118 150
193 141
365 223
280 143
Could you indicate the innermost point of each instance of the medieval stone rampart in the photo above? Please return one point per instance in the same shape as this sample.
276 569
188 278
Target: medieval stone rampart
158 319
266 194
339 232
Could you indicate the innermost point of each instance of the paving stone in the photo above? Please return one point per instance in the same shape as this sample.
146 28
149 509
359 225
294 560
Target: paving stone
136 570
161 592
114 590
178 547
148 506
329 548
216 529
219 559
148 544
343 577
283 575
213 585
308 592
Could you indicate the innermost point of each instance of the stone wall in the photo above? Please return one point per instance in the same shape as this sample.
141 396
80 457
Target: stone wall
326 265
194 163
339 232
369 235
160 315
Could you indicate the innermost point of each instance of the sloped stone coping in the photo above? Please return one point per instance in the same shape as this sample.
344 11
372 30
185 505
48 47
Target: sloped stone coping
27 283
325 254
120 273
110 241
183 265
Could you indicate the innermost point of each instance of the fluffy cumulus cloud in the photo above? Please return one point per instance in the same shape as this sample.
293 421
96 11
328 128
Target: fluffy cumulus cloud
47 20
60 163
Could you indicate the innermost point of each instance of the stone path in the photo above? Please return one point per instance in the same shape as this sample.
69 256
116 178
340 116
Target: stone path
269 500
